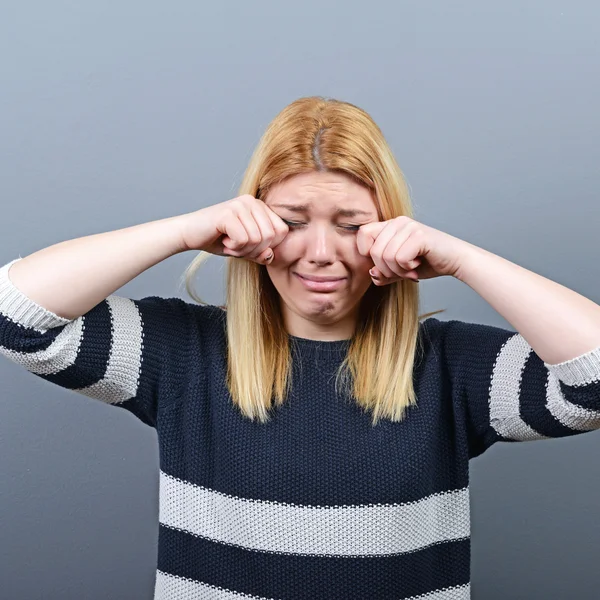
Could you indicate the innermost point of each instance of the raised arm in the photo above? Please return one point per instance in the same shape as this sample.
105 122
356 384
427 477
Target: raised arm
71 277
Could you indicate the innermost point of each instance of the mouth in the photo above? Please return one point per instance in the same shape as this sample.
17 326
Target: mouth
320 284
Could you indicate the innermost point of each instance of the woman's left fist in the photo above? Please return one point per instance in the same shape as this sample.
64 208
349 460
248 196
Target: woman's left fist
403 248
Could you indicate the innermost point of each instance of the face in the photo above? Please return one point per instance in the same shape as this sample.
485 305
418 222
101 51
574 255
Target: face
323 212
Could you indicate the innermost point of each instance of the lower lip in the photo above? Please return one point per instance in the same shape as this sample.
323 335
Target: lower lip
321 286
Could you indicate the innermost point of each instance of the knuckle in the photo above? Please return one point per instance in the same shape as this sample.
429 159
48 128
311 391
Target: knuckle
235 205
280 233
255 239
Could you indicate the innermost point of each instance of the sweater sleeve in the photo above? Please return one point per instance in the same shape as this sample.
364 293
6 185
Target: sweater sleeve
128 353
510 394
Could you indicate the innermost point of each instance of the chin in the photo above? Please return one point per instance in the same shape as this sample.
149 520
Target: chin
323 309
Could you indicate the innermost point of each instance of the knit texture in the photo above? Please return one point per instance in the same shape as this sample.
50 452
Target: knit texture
317 503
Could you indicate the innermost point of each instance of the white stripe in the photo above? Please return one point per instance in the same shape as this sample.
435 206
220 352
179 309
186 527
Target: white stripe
169 587
121 379
347 530
505 392
60 355
125 360
570 415
581 370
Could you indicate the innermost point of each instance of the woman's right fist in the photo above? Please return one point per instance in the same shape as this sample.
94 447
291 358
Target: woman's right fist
243 227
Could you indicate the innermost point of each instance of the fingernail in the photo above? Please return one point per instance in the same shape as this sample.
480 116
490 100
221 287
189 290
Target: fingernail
372 272
269 259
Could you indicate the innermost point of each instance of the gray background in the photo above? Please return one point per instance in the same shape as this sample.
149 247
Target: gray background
117 113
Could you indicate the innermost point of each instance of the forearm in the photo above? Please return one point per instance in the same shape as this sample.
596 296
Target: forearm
558 323
71 277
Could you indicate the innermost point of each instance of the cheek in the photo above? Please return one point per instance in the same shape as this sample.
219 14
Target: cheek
360 266
288 251
359 262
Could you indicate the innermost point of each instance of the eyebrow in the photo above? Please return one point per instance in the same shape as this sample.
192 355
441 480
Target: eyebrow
344 212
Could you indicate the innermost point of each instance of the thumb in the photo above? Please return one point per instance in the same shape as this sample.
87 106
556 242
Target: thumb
265 257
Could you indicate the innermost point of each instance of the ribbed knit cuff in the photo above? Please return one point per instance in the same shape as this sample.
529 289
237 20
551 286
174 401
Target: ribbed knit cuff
580 370
22 310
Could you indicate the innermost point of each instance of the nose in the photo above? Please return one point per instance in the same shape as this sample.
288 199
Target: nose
320 244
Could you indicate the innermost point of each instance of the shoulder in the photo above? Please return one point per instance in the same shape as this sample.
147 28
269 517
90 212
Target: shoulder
175 314
455 328
432 329
178 305
466 341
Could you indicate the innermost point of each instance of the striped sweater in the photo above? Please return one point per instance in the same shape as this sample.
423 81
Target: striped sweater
317 503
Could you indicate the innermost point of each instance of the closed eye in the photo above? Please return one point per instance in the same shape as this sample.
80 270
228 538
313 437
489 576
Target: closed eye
296 224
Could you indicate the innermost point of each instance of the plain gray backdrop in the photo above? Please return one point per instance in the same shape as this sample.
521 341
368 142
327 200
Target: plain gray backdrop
117 113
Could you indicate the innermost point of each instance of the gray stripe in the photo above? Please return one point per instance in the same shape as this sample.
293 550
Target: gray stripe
581 370
169 587
350 530
570 415
505 391
121 378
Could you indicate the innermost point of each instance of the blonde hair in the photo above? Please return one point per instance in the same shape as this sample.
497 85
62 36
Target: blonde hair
321 134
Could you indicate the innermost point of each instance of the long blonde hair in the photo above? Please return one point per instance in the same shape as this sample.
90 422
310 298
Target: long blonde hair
321 134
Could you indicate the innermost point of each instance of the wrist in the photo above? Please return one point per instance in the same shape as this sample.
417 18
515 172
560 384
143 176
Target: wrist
196 230
177 227
470 260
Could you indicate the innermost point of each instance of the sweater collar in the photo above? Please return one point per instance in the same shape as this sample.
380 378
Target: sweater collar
307 346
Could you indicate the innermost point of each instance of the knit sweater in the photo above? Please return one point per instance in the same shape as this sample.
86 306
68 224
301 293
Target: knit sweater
317 503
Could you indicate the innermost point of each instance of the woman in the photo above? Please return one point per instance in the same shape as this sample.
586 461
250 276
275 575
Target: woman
275 480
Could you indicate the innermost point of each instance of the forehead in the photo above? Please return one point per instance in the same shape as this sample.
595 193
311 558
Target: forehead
319 191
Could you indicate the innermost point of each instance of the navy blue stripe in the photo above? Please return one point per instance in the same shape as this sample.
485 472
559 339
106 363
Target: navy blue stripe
532 401
24 339
92 359
344 459
586 396
171 354
179 345
94 350
297 577
470 352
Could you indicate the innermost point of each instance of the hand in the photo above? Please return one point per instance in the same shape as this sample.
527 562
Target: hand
244 227
403 248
